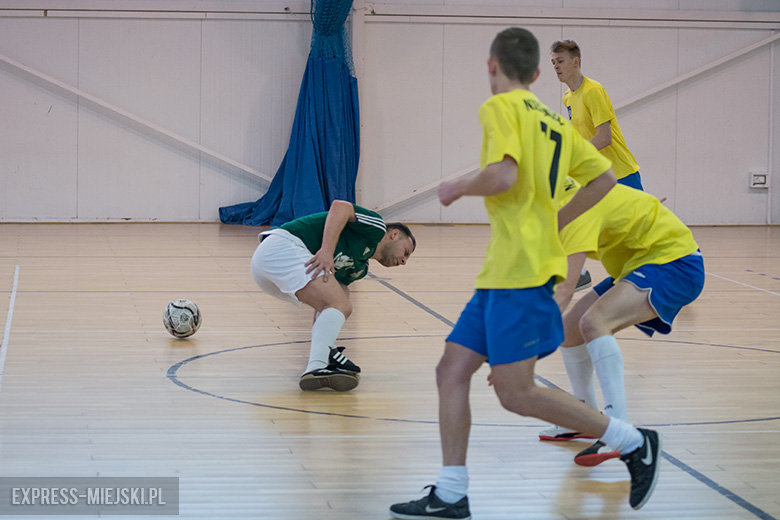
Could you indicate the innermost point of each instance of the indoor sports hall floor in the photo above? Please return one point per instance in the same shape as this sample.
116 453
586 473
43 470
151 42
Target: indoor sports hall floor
92 385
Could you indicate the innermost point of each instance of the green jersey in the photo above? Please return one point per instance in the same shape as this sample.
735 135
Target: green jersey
357 242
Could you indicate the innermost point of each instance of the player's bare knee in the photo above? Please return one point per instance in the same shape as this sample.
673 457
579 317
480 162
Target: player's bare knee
450 374
589 327
346 308
515 400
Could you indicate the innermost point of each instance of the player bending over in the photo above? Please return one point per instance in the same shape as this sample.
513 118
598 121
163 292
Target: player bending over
313 260
655 269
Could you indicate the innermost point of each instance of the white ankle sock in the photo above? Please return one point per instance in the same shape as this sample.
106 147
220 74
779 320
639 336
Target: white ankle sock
452 483
608 362
580 370
323 335
621 436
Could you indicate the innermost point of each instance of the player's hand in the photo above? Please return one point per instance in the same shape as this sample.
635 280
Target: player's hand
321 261
449 192
490 378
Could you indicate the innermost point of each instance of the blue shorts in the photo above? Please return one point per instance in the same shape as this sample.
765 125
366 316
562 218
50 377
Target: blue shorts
508 325
672 286
632 181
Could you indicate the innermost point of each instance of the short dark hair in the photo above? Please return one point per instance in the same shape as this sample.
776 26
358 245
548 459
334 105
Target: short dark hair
404 229
517 53
569 46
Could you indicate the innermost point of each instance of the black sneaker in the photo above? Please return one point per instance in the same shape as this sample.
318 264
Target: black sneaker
432 507
333 378
643 464
584 282
336 359
595 455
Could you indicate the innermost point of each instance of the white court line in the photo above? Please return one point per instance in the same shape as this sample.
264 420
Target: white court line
740 283
4 349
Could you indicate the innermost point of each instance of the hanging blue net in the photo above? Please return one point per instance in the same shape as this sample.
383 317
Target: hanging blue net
330 39
321 161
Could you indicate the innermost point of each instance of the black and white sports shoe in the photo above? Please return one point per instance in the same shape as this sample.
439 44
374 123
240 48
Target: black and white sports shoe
337 359
584 282
431 507
643 464
333 378
595 455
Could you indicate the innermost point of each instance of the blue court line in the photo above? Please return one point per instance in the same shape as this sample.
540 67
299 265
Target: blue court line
413 301
741 502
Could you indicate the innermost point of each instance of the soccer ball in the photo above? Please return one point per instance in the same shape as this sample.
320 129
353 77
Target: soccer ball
182 318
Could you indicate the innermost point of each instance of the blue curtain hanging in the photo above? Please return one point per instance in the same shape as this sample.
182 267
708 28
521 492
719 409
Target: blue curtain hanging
321 161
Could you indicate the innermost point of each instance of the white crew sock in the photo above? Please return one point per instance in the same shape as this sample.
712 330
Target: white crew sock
323 335
584 270
608 362
621 436
580 370
452 483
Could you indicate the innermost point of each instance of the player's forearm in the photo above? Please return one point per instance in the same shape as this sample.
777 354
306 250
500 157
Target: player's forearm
586 197
564 291
603 137
493 179
339 214
563 296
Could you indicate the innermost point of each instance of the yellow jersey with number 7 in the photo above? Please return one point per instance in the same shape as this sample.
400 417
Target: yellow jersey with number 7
525 250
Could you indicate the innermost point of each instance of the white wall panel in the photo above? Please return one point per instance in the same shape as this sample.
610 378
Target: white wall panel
401 118
730 5
651 134
230 83
774 151
38 163
465 88
723 128
150 68
466 48
252 71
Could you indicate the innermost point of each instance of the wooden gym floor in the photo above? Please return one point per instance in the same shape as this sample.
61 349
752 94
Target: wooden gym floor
92 385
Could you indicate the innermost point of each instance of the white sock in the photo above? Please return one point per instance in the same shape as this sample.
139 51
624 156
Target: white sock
584 270
621 436
452 483
580 370
323 335
608 362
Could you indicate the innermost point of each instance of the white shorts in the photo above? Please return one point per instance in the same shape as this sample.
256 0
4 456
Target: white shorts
279 265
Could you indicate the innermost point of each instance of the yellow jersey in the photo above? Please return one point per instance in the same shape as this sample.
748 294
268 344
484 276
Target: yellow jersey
589 106
625 230
524 249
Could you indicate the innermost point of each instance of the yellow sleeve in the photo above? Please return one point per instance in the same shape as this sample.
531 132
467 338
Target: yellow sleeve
600 106
581 235
501 136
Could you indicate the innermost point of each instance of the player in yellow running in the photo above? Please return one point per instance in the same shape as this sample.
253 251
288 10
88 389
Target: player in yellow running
591 113
655 269
512 319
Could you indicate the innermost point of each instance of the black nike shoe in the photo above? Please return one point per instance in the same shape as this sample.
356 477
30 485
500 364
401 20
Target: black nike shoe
643 464
431 507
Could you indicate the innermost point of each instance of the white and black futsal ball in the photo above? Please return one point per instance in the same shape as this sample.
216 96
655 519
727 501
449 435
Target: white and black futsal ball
181 318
